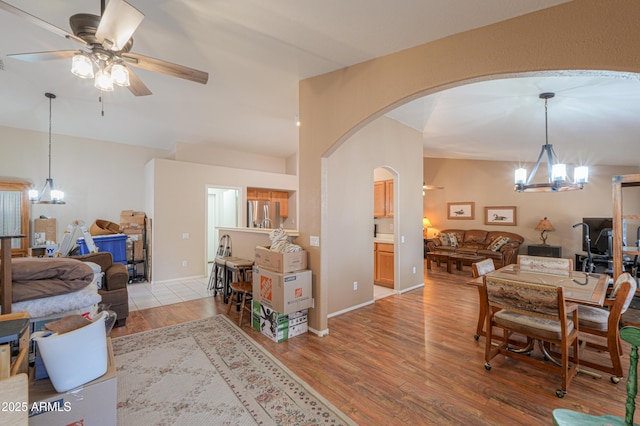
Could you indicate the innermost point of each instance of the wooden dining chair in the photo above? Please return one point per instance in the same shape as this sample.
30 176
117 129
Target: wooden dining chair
604 323
538 312
549 264
479 269
565 417
241 297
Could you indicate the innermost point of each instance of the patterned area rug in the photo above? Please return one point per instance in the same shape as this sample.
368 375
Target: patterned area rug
209 372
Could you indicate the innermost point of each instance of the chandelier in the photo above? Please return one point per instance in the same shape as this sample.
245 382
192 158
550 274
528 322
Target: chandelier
557 171
56 196
109 69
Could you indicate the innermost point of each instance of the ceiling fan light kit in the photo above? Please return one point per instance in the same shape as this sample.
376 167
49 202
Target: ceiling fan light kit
558 180
105 55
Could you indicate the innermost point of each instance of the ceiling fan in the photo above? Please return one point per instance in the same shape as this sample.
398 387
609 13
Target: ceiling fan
106 43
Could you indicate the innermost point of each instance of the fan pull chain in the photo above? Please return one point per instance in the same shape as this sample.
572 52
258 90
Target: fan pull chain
101 100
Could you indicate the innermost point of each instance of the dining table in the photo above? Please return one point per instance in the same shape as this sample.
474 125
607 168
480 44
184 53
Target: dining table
579 287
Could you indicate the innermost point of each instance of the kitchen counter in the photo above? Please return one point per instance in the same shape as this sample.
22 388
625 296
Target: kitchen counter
383 240
245 240
266 231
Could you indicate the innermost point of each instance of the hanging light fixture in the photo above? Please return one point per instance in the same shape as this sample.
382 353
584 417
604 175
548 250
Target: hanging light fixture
56 196
558 179
109 69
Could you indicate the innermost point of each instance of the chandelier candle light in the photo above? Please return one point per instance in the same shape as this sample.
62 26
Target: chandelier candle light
558 179
56 196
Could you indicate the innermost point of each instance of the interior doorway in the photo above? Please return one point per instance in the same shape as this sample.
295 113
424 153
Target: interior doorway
384 182
223 210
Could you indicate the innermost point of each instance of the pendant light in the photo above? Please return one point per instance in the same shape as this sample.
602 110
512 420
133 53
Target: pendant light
558 179
55 196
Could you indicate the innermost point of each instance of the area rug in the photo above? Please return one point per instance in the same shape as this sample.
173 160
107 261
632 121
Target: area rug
209 372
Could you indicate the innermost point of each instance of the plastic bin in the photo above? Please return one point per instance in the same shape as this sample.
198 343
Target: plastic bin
115 244
74 358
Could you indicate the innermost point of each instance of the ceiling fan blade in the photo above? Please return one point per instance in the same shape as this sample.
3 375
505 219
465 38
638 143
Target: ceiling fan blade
164 67
39 22
118 23
44 56
136 86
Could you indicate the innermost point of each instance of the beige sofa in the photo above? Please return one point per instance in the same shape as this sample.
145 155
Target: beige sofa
478 241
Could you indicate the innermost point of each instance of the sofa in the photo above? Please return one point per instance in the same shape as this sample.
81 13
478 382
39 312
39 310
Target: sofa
114 283
500 246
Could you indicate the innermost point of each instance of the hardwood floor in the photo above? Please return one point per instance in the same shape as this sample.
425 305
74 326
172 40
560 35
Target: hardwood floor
412 359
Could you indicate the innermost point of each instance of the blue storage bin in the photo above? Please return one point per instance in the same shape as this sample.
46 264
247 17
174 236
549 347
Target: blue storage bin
115 244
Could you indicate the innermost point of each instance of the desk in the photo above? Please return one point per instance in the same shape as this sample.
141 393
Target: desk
592 293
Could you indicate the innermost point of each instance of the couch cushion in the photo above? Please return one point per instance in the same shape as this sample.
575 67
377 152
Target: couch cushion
453 240
475 236
497 244
444 239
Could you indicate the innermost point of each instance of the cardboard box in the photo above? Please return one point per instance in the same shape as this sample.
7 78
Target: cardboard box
135 246
283 293
131 221
276 326
91 404
280 262
44 231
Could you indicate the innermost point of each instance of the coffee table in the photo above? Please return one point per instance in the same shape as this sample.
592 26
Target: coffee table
439 257
462 258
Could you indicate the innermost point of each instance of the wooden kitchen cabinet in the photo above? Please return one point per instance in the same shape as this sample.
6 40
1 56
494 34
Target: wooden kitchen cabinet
383 265
283 198
260 194
383 198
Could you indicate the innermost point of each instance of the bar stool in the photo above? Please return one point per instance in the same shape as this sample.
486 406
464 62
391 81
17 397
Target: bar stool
237 270
216 279
244 292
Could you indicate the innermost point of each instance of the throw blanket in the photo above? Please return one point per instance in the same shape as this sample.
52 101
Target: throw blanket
35 278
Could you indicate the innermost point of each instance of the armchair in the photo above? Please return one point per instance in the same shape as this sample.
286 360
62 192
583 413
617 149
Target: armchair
114 283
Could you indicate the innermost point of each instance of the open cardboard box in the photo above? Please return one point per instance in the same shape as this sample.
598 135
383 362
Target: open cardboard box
93 403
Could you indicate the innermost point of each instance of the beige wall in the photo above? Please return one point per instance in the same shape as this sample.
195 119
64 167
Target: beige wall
348 235
100 179
218 156
179 207
579 35
490 183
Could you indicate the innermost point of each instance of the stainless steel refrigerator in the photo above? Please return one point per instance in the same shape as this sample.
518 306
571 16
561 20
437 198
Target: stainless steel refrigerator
263 214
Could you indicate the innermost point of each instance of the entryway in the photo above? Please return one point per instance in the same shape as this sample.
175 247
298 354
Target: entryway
223 210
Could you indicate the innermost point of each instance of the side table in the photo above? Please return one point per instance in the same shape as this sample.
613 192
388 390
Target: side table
544 250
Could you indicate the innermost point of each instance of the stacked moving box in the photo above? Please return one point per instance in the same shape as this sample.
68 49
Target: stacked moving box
137 227
281 293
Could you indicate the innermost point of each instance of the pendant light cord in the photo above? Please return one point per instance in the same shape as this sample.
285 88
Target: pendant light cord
50 96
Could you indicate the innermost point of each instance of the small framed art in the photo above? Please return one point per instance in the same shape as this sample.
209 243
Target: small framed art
461 210
500 215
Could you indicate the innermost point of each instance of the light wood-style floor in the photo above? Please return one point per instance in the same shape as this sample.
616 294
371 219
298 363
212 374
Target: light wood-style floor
412 359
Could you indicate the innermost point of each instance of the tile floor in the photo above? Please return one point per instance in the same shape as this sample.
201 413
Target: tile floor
146 295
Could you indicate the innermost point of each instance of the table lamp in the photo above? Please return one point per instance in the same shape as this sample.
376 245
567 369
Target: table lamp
544 225
426 224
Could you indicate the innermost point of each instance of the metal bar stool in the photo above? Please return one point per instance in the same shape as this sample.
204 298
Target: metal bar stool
243 291
216 279
237 270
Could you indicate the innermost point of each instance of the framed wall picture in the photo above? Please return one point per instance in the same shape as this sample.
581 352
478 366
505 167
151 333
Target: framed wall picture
502 215
461 210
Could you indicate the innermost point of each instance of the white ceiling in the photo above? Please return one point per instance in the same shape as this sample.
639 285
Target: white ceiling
256 52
